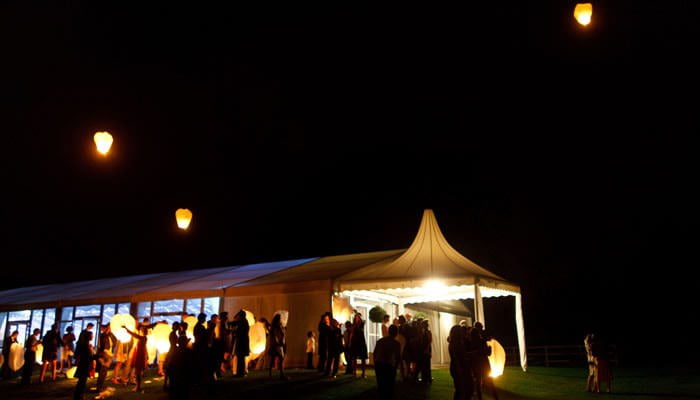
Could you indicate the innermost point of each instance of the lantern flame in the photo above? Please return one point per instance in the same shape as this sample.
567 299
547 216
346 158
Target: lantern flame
183 217
103 141
583 13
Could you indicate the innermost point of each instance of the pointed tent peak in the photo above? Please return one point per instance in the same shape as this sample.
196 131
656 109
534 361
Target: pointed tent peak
429 256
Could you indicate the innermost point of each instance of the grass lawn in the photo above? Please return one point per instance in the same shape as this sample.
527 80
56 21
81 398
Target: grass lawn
537 383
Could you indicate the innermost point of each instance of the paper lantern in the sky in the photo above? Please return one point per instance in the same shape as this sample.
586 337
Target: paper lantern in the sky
160 337
183 217
115 325
256 336
103 141
583 13
497 359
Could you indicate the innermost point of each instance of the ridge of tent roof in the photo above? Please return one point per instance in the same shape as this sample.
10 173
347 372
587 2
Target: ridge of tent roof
429 256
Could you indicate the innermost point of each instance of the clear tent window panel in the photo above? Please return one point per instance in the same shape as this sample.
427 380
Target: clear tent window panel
124 308
67 314
107 313
49 318
37 317
3 326
168 306
23 315
144 309
92 310
211 305
194 306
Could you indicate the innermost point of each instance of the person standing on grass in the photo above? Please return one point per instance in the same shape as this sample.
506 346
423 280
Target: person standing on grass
84 357
310 349
68 348
140 357
590 382
324 329
278 345
385 325
601 354
105 354
358 345
387 357
460 363
52 342
30 356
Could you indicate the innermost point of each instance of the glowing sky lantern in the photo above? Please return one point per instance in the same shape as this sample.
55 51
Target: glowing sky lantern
497 359
103 141
256 335
250 317
191 322
583 13
160 337
39 354
183 217
115 324
70 372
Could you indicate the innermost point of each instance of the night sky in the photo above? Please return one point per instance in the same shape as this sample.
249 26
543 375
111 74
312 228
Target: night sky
561 158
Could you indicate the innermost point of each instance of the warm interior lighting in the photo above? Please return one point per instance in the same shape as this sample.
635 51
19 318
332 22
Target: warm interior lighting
497 359
103 140
583 13
115 325
183 217
434 285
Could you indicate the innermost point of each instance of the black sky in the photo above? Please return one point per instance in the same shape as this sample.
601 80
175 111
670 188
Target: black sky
561 158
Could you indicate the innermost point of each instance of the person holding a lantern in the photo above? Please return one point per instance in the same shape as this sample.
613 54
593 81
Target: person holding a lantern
105 346
241 347
358 344
140 356
85 356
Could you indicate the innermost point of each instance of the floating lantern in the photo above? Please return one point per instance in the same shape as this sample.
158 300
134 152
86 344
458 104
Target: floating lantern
583 13
103 141
183 217
160 338
115 324
250 317
497 359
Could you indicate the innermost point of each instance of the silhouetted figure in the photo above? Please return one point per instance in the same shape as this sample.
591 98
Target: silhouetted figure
140 357
51 342
601 354
460 363
241 347
480 364
30 348
335 348
84 358
324 327
387 356
278 345
310 349
358 345
7 345
590 382
105 354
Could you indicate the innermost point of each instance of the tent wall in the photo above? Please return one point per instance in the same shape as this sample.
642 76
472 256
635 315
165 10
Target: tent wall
305 311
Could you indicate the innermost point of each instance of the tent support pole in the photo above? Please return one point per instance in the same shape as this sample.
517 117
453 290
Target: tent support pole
520 326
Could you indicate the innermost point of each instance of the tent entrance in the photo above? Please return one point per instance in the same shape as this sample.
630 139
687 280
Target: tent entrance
441 304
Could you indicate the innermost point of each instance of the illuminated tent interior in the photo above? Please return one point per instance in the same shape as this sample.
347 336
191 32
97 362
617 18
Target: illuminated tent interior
430 277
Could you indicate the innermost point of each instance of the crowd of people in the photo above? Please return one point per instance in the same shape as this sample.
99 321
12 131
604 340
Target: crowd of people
218 345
